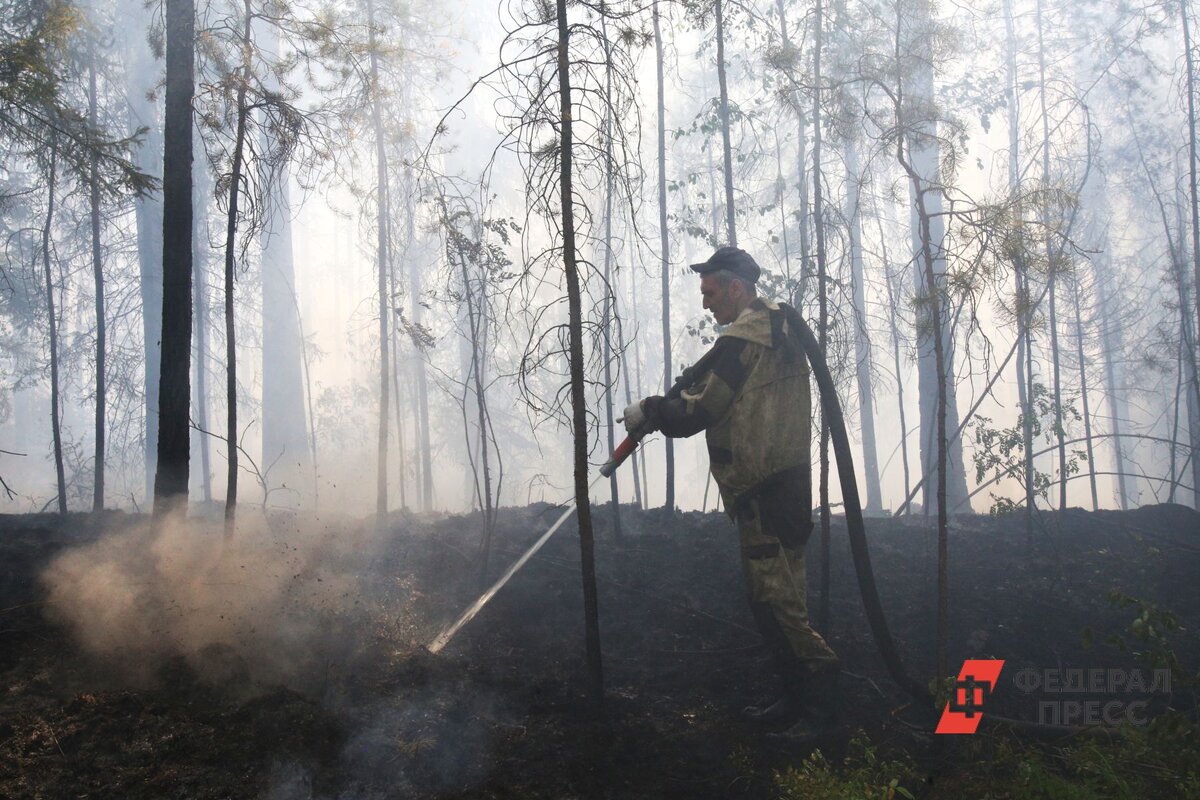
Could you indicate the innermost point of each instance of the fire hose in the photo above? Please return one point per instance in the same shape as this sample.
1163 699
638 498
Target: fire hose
854 518
845 463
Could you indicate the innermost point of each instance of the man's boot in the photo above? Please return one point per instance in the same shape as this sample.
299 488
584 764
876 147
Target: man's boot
787 709
820 706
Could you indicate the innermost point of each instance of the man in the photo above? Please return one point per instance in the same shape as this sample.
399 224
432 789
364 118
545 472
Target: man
753 403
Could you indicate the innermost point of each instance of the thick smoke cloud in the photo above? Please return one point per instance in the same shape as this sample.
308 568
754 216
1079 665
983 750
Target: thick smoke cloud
274 605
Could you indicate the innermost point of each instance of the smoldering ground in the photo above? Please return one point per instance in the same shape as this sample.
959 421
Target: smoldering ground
335 611
276 604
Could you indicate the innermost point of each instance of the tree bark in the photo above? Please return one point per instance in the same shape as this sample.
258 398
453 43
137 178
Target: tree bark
174 391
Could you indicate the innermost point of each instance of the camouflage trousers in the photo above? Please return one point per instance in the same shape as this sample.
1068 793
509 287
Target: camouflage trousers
773 528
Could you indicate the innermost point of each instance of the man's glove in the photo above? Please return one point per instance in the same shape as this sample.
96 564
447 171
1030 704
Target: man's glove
634 418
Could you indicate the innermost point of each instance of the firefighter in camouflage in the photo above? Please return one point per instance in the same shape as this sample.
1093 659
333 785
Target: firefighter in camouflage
754 403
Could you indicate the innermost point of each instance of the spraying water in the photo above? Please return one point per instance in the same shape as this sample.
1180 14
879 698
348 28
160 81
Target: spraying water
445 636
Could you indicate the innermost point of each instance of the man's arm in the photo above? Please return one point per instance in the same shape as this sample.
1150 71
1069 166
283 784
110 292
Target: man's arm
708 400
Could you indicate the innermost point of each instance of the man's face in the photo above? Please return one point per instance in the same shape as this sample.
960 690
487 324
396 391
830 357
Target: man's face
721 300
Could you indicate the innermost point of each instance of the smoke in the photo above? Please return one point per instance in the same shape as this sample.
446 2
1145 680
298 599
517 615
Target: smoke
281 604
336 611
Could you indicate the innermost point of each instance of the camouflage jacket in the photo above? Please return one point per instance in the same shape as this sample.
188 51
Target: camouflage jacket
754 403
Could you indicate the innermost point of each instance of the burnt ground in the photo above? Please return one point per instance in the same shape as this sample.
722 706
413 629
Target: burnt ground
503 711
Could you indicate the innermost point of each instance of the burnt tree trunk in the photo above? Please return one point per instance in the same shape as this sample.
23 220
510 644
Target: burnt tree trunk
578 398
98 278
174 390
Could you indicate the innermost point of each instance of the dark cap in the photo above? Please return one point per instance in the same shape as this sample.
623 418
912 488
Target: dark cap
732 259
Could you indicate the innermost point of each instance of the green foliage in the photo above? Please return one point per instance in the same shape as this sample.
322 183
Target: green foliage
41 43
1000 452
1160 760
1148 638
862 775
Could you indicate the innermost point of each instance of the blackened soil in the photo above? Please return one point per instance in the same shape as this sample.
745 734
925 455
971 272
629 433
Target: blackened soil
504 710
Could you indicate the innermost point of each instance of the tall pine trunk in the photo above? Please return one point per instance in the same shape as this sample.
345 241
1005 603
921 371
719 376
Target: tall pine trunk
928 232
918 174
723 111
797 297
1194 203
1076 290
231 224
1020 274
583 506
823 314
609 292
664 237
142 72
52 317
862 341
98 278
1052 268
286 457
383 267
174 390
201 193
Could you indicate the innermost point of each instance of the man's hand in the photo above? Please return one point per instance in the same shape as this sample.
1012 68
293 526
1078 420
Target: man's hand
634 418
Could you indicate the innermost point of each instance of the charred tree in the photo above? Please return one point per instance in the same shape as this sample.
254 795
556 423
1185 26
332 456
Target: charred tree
575 325
242 111
98 278
174 391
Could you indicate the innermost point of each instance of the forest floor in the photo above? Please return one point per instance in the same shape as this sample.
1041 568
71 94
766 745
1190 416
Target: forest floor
291 666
